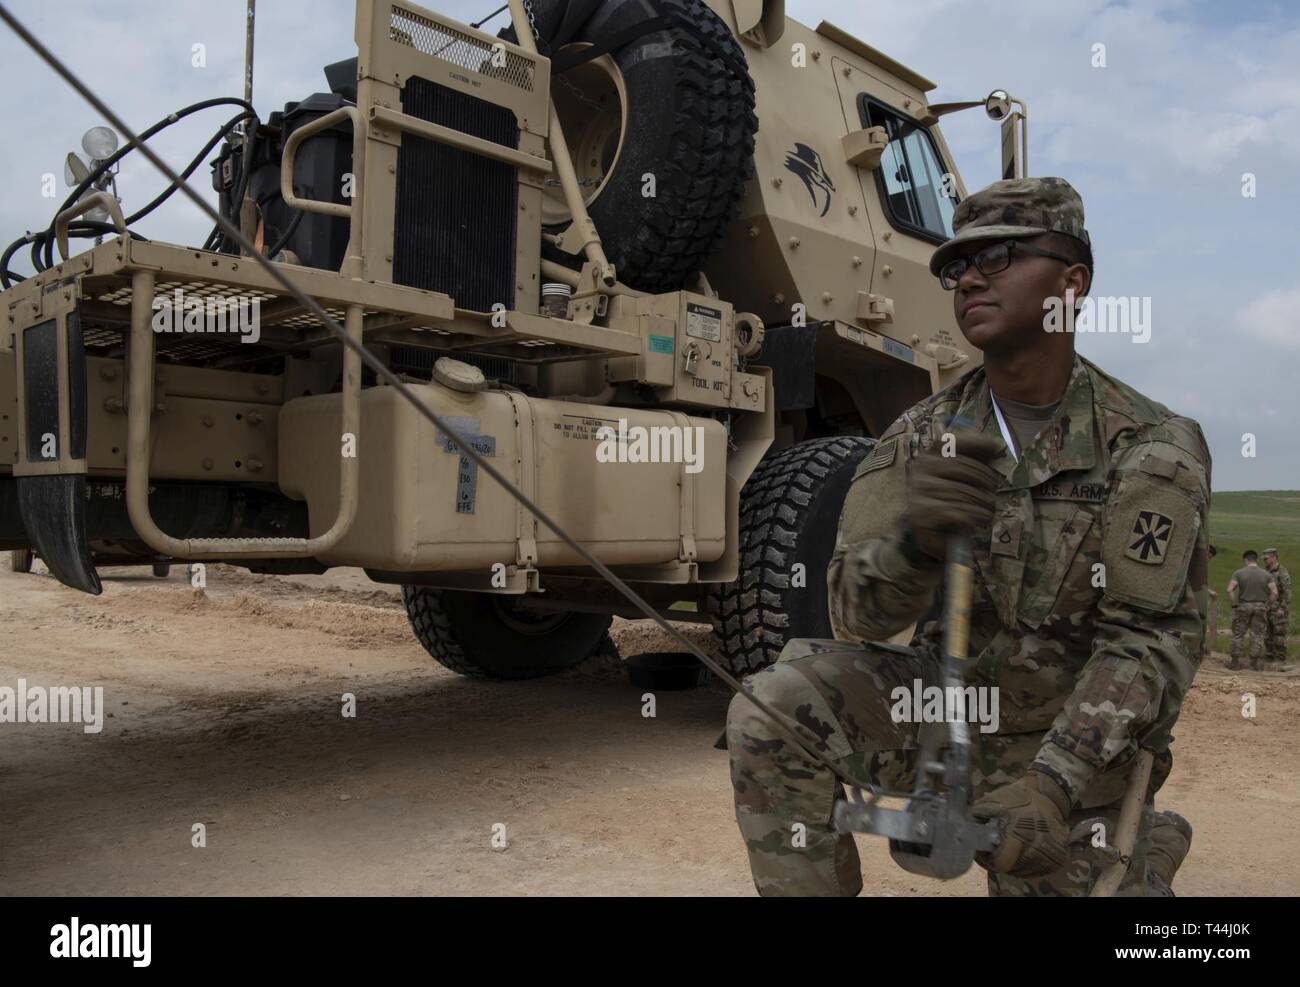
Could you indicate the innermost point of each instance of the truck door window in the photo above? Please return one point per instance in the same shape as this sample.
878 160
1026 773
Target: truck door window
910 176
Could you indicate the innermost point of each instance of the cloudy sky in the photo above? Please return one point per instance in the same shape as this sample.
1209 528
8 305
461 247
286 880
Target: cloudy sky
1194 95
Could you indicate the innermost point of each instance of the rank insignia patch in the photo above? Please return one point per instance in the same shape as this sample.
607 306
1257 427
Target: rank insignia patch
1150 537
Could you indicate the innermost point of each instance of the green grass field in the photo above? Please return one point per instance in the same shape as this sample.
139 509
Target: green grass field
1257 519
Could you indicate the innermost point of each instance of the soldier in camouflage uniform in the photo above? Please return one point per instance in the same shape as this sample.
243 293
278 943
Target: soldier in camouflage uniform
1089 522
1279 612
1251 591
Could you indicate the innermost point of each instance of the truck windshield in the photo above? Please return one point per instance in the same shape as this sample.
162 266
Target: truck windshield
911 175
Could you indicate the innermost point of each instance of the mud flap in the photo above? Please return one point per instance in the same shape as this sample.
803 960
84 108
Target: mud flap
791 353
54 512
51 470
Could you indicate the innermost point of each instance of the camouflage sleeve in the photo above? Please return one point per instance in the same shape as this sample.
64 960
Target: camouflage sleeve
1284 587
1150 618
876 586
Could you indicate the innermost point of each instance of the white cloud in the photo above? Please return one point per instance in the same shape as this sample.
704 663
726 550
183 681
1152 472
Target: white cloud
1273 317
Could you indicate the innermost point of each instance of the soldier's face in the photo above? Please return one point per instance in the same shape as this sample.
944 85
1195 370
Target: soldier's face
1004 312
1270 562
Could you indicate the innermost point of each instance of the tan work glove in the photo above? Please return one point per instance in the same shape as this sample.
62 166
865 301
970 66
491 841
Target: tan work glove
949 494
1034 835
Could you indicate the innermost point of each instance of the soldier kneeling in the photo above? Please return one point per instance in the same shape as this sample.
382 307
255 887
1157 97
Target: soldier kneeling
1087 502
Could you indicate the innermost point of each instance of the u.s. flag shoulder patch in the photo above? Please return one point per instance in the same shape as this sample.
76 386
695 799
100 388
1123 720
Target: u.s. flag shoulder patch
881 456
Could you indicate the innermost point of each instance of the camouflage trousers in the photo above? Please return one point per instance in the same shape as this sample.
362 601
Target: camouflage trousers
1210 626
1279 623
841 693
1252 619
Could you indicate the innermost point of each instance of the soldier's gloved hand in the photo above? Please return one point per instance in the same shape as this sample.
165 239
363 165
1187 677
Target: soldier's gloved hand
1034 835
948 494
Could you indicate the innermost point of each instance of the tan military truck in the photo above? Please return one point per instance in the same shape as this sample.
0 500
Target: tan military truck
663 262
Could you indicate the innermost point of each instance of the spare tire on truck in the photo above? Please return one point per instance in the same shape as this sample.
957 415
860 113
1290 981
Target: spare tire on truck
661 128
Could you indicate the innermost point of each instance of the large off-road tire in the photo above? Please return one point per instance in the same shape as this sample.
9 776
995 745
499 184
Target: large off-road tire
789 511
690 124
20 559
482 635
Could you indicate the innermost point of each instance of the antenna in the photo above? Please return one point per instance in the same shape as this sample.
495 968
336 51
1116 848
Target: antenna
248 52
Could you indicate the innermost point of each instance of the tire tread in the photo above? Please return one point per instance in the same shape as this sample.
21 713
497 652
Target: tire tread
750 616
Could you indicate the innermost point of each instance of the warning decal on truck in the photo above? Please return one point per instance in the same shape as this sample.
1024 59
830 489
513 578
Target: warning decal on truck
703 322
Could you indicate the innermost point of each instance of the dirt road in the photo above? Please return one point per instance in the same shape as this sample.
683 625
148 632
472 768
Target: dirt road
225 709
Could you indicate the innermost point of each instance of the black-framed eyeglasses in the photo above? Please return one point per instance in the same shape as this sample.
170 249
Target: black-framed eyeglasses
993 259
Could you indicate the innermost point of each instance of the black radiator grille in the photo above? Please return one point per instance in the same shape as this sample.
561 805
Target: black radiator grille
41 386
455 224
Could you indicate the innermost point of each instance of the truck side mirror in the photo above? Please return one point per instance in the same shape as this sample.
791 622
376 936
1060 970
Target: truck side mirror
997 104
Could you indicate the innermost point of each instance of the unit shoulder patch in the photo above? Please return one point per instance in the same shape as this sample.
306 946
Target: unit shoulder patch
1150 536
1150 532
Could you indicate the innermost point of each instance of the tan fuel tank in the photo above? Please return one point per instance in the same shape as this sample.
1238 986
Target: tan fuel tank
424 508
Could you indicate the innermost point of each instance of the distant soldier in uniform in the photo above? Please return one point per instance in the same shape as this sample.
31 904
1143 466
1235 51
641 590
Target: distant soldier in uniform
1255 589
1279 612
1088 505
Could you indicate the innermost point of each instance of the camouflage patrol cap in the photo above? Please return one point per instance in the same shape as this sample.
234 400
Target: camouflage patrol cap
1270 551
1014 207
